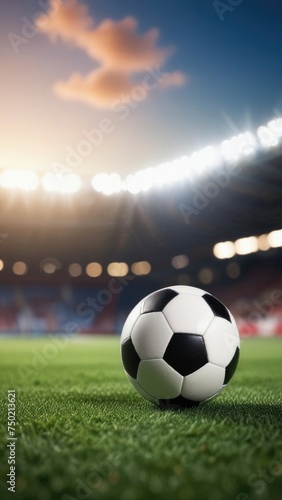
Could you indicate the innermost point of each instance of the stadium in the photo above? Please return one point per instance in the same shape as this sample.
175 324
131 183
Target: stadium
82 242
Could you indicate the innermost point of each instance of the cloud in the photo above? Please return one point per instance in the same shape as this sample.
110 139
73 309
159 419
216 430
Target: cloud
100 88
173 79
67 19
115 45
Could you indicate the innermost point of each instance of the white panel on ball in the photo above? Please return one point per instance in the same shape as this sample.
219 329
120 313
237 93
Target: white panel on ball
151 335
187 313
130 321
203 383
159 379
221 340
141 391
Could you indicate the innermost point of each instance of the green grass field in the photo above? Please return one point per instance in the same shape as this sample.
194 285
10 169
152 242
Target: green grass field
83 433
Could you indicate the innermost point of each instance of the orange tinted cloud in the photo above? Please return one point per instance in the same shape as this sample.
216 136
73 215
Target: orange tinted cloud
115 45
100 88
173 79
66 19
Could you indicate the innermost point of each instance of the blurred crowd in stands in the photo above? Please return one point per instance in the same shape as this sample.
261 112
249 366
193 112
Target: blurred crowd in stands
39 309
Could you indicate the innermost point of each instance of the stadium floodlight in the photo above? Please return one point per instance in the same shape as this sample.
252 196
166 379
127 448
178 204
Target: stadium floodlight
61 183
107 183
179 261
141 268
50 265
145 178
270 134
132 184
141 181
275 238
164 175
238 147
205 159
94 269
20 268
263 243
75 270
267 137
117 269
25 180
276 126
244 246
247 245
224 250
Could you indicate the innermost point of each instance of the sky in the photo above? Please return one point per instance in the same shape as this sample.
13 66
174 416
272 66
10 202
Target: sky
118 86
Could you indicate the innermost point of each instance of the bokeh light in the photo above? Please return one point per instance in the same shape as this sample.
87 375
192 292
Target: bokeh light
94 269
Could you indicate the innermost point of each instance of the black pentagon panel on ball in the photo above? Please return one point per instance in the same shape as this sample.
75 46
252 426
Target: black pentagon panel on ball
217 307
130 358
186 353
231 368
177 403
158 300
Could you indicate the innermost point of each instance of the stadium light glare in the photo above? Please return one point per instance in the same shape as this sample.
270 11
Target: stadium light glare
244 246
141 268
238 147
94 269
75 270
25 180
61 183
276 126
164 175
117 269
267 137
50 265
263 243
141 181
247 245
275 238
49 268
132 185
20 268
1 265
224 250
146 179
107 183
179 261
205 159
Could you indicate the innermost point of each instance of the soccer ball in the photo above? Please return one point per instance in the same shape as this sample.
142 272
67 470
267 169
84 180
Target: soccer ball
179 346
